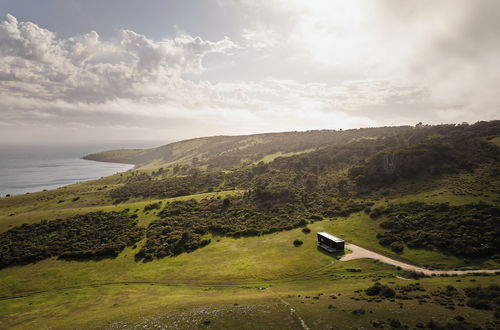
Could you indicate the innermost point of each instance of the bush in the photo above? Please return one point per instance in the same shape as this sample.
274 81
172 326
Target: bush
387 292
487 298
306 230
397 247
479 303
297 243
152 206
380 290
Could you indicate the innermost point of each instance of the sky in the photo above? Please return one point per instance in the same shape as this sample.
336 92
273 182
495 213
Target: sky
94 70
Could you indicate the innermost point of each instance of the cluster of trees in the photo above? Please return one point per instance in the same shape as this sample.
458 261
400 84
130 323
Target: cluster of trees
447 154
172 237
183 224
169 187
90 235
469 230
381 290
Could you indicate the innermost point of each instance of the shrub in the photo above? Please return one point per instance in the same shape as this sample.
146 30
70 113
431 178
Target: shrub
306 230
397 247
387 292
152 206
479 303
380 290
297 243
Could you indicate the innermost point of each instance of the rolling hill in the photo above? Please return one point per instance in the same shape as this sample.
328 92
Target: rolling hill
201 234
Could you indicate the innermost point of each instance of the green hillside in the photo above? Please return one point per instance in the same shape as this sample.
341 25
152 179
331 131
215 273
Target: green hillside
231 151
220 233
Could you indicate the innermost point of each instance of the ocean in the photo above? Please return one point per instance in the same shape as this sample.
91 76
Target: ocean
31 168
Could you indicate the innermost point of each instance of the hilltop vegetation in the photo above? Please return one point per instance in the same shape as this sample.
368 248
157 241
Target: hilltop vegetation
219 152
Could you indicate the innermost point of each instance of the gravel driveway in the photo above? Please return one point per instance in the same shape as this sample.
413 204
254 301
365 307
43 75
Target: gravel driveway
359 253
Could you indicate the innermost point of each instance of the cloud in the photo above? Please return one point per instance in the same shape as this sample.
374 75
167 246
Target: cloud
28 41
260 37
321 64
85 68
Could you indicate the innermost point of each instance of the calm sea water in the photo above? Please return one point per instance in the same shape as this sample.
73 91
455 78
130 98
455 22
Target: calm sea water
31 168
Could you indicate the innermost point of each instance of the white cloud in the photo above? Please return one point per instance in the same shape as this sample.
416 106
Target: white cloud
426 62
260 37
28 41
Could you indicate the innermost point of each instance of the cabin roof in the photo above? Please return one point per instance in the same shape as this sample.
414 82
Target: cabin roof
331 237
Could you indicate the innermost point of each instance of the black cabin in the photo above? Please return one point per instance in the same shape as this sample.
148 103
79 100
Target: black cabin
330 243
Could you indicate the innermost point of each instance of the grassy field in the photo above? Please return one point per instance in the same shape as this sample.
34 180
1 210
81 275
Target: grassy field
276 304
248 283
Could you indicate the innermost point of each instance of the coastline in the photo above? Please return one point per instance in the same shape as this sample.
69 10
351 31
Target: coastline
55 174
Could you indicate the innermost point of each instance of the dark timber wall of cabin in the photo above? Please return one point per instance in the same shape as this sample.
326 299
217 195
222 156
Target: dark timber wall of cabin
338 246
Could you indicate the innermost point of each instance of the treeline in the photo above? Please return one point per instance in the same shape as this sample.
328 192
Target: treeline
223 152
471 230
229 152
184 224
432 157
91 235
169 187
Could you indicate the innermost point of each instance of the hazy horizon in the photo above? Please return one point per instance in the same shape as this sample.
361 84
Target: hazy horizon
80 71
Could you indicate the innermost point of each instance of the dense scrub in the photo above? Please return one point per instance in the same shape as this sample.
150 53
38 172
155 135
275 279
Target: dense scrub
469 230
484 298
169 238
432 157
169 187
91 235
183 224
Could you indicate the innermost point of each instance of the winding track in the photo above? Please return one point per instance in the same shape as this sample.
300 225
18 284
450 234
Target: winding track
359 253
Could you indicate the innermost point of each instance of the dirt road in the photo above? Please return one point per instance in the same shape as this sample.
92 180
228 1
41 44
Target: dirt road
359 253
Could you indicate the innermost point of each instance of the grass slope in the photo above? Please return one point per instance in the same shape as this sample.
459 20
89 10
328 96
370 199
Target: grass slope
245 283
